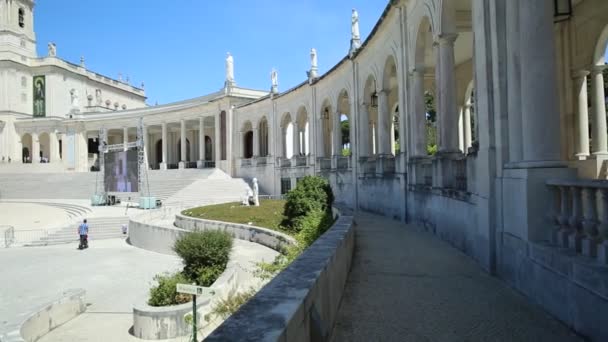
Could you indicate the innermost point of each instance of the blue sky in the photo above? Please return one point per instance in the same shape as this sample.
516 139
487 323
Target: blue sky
178 47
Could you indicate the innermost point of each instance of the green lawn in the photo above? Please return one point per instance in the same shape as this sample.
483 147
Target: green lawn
268 215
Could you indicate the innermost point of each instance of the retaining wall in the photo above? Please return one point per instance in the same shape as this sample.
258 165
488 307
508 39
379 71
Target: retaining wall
300 303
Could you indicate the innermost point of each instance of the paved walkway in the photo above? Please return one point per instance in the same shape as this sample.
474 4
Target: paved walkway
410 286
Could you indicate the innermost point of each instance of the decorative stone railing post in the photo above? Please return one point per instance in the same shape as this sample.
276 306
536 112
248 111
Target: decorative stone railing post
564 216
574 240
589 242
554 214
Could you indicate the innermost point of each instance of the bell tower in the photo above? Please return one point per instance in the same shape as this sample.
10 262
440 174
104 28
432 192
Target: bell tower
17 37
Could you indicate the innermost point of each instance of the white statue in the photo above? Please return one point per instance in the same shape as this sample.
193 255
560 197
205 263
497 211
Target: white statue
74 97
82 65
229 68
52 50
98 99
274 80
256 192
248 195
355 26
313 59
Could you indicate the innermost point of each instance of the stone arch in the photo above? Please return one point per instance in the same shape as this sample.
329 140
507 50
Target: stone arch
368 123
326 127
343 104
26 148
159 152
287 130
599 54
263 137
388 101
209 150
247 133
302 131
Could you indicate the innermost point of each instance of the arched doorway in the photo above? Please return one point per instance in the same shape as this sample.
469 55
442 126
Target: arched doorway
26 151
263 135
159 152
248 145
208 148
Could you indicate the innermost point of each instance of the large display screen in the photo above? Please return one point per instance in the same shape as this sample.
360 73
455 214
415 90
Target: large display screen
120 171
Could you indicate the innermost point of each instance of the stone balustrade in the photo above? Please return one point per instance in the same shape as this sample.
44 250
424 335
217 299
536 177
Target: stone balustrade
301 161
284 162
343 163
246 162
579 216
460 174
324 163
260 161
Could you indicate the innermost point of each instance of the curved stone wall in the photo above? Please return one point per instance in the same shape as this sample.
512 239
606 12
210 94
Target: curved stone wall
301 302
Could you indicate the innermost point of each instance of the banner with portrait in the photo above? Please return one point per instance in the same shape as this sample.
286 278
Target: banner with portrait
39 96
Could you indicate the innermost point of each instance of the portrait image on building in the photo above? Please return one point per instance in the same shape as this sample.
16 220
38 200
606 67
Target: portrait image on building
39 96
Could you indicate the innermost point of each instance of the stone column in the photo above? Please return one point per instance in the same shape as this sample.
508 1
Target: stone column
321 130
447 89
163 162
384 140
336 134
599 112
201 143
183 144
467 127
461 143
125 137
146 146
363 131
514 81
296 139
35 148
256 142
419 113
54 148
582 115
538 82
218 140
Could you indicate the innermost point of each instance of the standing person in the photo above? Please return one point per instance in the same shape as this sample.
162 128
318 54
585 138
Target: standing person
83 231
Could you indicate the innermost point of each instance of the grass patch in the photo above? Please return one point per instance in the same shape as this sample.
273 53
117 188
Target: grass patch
268 215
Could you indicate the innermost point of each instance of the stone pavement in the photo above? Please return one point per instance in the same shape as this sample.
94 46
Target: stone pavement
407 285
110 318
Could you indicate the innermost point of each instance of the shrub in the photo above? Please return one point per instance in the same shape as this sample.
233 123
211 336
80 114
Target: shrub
207 275
165 293
226 307
310 194
201 250
311 226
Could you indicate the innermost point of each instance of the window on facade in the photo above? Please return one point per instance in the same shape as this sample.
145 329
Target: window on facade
285 185
21 18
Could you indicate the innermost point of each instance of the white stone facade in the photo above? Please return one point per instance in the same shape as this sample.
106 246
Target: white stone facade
517 132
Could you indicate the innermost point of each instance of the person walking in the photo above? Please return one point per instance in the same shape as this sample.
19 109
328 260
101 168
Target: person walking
83 231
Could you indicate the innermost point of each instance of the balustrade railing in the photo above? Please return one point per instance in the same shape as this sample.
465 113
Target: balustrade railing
284 162
8 234
460 174
388 165
580 217
260 161
343 163
324 163
369 166
245 162
301 160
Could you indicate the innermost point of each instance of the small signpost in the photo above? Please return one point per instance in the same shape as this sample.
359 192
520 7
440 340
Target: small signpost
193 290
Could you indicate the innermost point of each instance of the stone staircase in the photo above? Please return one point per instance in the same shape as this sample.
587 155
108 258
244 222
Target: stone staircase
99 228
218 188
81 185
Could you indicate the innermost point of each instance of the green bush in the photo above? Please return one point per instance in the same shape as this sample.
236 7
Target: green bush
310 194
203 250
208 275
165 293
312 226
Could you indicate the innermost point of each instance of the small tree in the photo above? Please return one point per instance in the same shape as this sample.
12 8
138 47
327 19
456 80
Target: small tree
204 253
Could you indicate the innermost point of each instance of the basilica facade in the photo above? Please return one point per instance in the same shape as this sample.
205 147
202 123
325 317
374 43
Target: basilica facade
482 121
